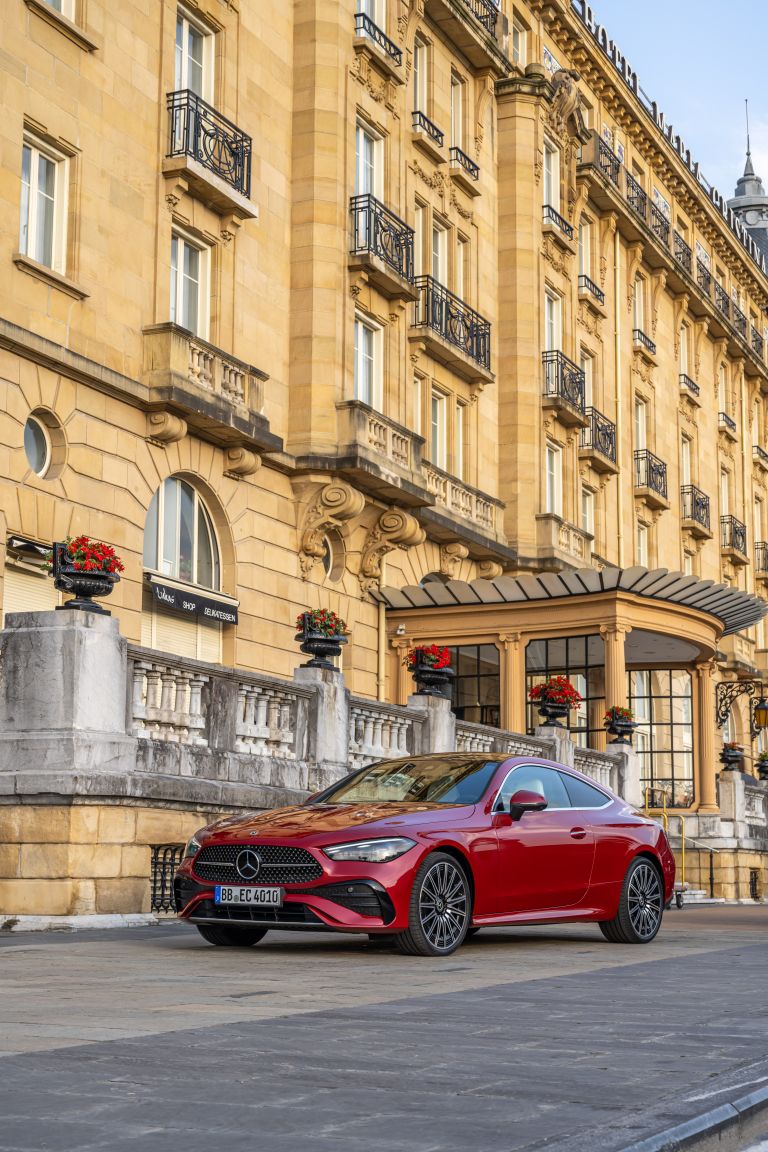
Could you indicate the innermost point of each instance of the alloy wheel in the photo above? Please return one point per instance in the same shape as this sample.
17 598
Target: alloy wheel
644 901
443 905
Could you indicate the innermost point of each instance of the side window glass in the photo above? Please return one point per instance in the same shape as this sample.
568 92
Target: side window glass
584 795
537 778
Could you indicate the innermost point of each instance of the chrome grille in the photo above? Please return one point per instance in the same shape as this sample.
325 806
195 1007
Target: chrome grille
279 864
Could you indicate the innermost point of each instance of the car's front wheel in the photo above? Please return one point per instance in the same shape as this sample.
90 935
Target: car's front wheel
641 906
226 937
440 910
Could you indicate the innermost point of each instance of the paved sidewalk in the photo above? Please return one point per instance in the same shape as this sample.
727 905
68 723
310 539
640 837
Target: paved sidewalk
147 1039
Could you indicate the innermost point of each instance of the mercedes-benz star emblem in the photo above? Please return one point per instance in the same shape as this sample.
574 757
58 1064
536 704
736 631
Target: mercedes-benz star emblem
248 864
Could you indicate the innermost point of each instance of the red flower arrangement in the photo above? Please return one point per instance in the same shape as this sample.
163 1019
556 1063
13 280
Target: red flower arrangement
429 656
321 620
615 713
87 555
556 690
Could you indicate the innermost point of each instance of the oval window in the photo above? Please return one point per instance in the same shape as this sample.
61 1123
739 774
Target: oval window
37 446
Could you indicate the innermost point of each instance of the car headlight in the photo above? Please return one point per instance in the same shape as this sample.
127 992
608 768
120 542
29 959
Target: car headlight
193 845
374 851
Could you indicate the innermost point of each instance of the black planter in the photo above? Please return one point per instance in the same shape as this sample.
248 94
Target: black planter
83 585
551 713
622 730
319 646
762 771
731 760
430 681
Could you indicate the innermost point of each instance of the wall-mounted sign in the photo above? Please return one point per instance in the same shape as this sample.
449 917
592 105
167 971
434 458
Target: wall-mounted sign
188 601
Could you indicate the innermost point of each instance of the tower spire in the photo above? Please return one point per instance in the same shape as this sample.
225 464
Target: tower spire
746 113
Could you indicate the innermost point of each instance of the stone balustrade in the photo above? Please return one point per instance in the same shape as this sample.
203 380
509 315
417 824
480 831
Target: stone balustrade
380 731
173 354
460 498
598 765
364 427
266 719
167 703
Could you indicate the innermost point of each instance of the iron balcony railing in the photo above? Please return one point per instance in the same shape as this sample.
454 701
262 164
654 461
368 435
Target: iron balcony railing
690 385
761 556
459 157
587 285
695 505
196 129
722 300
599 434
454 320
733 534
726 421
485 12
563 379
420 121
640 338
757 342
703 278
739 319
636 196
650 472
377 230
552 216
660 225
760 455
682 252
608 161
364 26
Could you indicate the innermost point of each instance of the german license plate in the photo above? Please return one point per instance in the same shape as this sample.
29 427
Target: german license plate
253 897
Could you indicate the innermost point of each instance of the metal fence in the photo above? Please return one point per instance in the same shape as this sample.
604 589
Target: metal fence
165 860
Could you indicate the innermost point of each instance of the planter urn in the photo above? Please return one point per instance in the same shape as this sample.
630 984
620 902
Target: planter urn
82 585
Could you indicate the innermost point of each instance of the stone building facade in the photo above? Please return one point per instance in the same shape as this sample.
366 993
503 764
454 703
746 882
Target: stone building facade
306 304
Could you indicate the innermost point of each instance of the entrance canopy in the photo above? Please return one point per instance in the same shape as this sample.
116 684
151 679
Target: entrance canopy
733 609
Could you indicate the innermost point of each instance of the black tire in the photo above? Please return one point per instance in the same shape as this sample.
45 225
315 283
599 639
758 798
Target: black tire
440 910
471 932
224 937
383 940
641 906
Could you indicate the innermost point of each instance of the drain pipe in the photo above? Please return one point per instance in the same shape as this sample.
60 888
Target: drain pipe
617 297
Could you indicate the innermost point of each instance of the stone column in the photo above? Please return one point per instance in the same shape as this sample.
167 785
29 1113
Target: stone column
705 760
514 681
328 722
615 665
563 746
628 783
439 726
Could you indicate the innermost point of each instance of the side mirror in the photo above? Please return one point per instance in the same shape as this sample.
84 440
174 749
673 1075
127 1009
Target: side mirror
524 801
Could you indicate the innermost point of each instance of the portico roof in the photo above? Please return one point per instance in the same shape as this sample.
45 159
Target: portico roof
734 609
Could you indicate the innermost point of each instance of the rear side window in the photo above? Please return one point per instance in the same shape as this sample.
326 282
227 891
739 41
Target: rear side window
583 795
537 778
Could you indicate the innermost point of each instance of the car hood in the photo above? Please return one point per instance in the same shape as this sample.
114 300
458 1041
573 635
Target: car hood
325 822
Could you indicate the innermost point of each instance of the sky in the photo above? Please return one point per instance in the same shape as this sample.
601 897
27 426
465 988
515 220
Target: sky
699 60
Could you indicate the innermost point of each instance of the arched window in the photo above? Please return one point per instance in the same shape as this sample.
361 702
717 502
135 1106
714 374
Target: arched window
179 539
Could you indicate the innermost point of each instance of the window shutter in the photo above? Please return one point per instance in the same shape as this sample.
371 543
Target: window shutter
25 591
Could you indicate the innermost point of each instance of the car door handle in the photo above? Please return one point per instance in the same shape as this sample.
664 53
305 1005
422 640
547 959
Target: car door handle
578 833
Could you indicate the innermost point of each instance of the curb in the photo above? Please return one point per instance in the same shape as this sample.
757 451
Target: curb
79 923
723 1121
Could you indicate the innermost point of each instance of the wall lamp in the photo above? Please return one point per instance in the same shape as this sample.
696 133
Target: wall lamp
730 690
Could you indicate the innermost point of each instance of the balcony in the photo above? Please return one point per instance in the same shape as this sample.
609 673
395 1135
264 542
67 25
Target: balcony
733 540
690 389
651 479
464 171
218 396
659 225
428 137
470 25
598 442
461 500
761 560
636 197
682 253
727 425
382 247
590 292
557 226
694 511
365 27
564 388
452 332
559 541
760 457
379 455
722 301
757 342
704 278
210 153
739 320
644 344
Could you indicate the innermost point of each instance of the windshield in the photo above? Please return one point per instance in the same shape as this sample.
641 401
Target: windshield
436 780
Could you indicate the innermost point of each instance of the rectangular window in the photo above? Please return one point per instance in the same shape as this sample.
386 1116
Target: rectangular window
587 510
553 489
688 564
419 234
420 77
418 401
66 7
757 519
551 176
518 43
585 249
367 362
461 278
552 322
684 349
638 304
722 389
368 166
439 251
437 432
43 222
189 285
725 493
685 460
193 69
457 111
461 436
641 424
585 363
642 545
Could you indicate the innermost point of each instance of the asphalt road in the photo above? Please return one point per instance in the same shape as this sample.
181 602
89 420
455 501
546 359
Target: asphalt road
527 1038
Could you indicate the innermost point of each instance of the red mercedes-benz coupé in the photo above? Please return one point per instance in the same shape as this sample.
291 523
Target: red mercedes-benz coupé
427 849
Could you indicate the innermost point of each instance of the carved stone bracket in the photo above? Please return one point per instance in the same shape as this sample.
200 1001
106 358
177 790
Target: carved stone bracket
451 556
239 462
680 311
635 254
606 242
329 508
659 281
165 428
701 329
393 529
489 569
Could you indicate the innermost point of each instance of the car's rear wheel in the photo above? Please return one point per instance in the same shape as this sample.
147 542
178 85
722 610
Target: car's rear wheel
641 906
226 937
440 910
